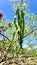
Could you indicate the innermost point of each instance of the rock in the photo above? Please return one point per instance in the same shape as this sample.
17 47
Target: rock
2 63
28 59
9 56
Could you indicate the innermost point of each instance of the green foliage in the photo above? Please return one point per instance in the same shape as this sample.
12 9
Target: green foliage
18 31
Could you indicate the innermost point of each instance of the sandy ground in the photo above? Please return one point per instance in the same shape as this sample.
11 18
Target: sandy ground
8 59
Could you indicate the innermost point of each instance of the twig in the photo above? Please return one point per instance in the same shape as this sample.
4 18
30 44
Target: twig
5 36
29 33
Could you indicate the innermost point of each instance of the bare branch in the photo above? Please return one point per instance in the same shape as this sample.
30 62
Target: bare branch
29 33
5 36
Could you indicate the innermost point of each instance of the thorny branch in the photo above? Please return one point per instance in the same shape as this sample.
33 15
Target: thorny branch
5 36
29 33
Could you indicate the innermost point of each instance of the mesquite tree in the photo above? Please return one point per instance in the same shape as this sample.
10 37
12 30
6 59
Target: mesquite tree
21 14
18 29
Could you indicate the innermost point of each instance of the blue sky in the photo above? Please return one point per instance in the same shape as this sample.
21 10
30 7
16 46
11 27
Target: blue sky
9 13
6 9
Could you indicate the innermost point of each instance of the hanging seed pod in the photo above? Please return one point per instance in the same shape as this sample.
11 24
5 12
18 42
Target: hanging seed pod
9 24
1 16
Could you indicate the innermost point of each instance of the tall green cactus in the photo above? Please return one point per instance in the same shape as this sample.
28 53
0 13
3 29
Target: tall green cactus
21 23
22 28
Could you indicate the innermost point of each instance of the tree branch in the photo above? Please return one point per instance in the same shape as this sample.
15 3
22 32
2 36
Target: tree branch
5 36
29 33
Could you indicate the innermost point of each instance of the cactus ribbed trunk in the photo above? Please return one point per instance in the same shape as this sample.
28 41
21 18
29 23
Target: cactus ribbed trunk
21 23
